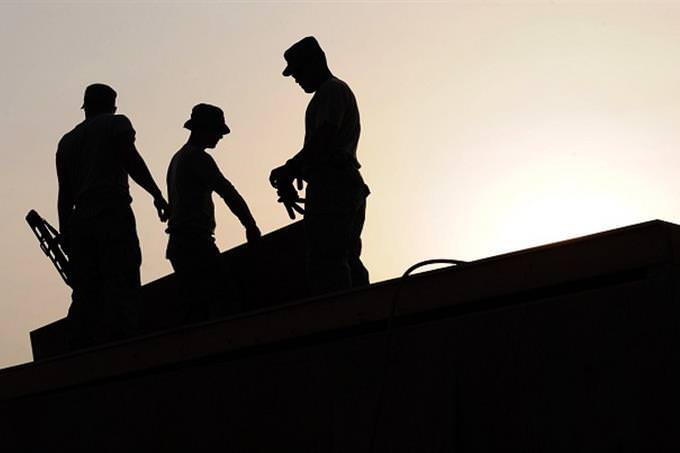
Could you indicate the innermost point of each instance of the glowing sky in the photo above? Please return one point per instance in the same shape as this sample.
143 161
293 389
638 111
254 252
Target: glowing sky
487 127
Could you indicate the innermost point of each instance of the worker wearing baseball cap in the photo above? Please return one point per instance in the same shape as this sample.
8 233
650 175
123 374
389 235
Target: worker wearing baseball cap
96 220
99 96
335 196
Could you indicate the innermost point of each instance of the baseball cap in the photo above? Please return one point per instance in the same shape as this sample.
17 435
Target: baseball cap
99 95
303 51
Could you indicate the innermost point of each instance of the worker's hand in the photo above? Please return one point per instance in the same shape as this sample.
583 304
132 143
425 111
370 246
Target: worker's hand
287 192
161 208
280 176
294 206
290 199
253 233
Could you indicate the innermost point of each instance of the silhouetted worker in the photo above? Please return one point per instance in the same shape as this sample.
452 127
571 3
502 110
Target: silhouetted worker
192 178
335 203
96 221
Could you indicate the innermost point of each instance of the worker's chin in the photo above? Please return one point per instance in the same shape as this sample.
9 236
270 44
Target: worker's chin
306 88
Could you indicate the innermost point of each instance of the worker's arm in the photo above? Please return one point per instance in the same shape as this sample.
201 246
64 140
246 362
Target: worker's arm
139 172
238 206
329 106
123 137
314 152
234 201
65 198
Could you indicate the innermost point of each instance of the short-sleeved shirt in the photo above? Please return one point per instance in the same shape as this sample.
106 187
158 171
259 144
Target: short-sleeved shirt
192 177
89 160
334 103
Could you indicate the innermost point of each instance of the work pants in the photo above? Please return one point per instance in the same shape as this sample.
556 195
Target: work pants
206 289
104 261
335 210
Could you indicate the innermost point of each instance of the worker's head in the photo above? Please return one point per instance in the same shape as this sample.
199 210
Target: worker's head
98 99
306 62
207 125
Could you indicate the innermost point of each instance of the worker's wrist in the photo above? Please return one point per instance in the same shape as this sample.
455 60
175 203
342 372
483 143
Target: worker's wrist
249 223
157 195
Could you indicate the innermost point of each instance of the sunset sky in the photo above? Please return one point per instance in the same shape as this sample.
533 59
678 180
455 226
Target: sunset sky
487 126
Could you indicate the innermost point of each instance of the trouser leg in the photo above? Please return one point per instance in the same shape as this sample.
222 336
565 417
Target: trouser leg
120 261
327 237
335 211
86 283
203 284
105 260
358 272
194 303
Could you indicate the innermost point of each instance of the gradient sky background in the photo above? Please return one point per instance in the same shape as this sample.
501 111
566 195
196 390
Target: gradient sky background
487 126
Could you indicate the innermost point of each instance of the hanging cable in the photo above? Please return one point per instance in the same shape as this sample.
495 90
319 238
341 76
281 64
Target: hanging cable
389 344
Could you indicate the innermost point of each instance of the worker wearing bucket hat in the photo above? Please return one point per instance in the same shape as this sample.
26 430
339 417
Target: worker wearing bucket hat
192 177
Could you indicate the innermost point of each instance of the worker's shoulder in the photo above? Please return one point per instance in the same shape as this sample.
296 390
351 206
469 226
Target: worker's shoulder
99 123
192 153
107 120
334 90
109 123
205 160
195 159
118 124
70 137
179 158
335 84
120 118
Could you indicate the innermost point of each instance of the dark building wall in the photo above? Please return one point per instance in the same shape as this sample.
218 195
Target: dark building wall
589 371
585 363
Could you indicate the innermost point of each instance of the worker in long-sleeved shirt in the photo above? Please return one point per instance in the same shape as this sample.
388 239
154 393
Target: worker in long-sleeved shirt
192 177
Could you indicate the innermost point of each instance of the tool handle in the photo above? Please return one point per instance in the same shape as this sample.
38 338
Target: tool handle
47 238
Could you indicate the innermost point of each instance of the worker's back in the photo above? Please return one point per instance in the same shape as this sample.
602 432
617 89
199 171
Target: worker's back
189 192
90 156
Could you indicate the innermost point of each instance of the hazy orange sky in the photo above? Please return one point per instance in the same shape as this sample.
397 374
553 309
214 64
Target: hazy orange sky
487 126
